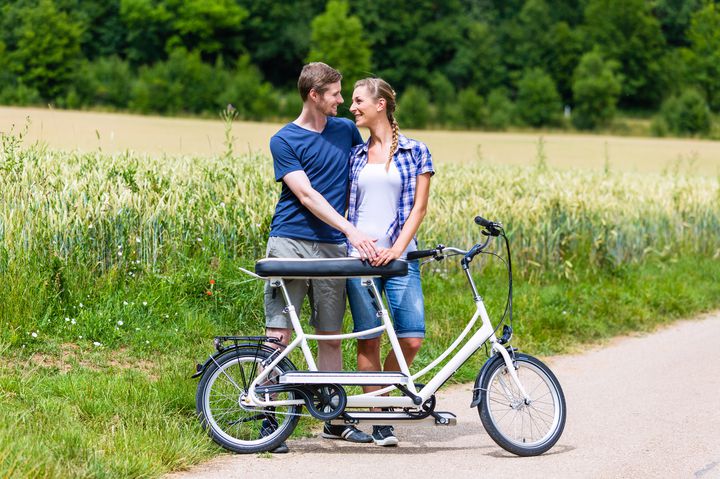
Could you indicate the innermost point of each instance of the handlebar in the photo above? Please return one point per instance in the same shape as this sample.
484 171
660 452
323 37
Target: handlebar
492 229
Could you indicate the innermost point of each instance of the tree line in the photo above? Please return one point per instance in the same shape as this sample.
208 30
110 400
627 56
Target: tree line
454 63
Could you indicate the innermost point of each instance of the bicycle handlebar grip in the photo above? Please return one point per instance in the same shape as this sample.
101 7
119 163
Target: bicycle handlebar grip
424 253
483 222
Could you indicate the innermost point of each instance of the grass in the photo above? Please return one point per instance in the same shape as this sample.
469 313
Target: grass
118 269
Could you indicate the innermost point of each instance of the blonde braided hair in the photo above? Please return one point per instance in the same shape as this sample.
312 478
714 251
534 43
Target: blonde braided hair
379 88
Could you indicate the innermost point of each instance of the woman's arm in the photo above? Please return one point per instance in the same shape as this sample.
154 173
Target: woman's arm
412 224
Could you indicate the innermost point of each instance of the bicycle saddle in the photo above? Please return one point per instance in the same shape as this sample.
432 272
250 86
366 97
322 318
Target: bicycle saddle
327 268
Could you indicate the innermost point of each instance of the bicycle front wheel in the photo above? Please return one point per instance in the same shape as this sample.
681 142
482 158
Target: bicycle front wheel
523 427
230 421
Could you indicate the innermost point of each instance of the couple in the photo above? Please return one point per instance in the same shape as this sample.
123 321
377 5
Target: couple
384 183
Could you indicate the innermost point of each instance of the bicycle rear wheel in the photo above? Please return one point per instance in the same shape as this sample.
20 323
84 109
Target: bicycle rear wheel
525 428
231 423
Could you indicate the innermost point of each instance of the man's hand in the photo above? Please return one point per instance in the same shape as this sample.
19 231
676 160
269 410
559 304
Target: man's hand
363 243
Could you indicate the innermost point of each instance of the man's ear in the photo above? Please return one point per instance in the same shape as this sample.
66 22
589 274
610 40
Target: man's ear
313 95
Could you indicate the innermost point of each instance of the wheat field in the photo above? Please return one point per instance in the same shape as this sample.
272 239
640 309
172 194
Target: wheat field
113 133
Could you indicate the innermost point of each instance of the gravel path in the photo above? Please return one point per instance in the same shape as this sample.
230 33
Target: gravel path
642 407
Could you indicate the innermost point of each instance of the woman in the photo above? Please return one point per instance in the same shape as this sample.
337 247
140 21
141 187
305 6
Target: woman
389 188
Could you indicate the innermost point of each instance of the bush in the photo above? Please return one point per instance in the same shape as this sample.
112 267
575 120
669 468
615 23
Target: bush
500 110
414 108
538 101
596 89
472 108
106 81
183 83
687 114
253 98
443 95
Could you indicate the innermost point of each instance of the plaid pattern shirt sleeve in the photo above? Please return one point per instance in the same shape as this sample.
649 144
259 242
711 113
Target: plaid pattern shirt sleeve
412 158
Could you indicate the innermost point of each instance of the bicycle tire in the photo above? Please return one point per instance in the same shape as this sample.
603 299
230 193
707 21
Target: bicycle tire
234 427
524 429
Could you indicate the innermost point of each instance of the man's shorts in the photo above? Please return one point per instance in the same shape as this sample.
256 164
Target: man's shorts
327 296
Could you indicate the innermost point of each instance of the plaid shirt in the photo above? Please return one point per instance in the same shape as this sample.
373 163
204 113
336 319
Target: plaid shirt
412 158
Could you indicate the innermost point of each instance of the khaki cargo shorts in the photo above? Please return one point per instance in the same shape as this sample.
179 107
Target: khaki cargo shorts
327 296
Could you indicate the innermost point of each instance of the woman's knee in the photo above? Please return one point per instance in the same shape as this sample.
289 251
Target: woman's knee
412 344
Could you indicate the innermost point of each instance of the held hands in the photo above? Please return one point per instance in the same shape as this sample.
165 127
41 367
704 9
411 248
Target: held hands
364 244
386 255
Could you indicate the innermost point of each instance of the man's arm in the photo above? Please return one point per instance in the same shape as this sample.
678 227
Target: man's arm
299 184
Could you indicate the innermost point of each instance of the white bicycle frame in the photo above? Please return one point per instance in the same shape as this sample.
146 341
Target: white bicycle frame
376 399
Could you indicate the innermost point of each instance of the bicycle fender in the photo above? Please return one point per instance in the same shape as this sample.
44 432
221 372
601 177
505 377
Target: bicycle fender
477 392
200 368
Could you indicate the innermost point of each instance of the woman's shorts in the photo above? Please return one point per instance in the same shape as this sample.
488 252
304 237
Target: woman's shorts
404 298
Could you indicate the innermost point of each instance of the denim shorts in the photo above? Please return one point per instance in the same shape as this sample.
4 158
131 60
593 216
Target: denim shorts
404 298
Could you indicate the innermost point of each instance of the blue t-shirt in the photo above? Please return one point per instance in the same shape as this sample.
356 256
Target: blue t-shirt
324 157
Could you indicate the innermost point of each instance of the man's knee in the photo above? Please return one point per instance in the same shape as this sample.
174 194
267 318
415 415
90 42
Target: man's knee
330 344
282 334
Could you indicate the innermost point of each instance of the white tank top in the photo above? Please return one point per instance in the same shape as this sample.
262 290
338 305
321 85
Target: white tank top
378 199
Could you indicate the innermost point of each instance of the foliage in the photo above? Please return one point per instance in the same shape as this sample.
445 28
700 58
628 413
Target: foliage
628 33
686 114
704 36
62 51
500 110
472 108
42 46
337 39
413 109
595 90
538 102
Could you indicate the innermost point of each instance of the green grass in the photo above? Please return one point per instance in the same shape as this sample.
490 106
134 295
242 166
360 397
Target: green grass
69 408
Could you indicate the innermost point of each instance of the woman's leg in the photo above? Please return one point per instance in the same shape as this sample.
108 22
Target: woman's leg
407 307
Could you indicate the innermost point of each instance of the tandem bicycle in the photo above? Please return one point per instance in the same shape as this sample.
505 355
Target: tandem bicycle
250 382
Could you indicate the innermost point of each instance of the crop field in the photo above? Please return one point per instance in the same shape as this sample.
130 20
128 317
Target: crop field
119 261
86 131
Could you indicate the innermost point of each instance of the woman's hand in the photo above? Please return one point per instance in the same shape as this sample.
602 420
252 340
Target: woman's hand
386 255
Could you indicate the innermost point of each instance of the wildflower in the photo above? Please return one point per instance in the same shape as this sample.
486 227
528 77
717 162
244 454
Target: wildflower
144 303
72 321
95 343
147 342
208 292
137 329
81 305
212 282
199 240
222 204
137 239
120 323
119 253
34 334
125 303
79 337
67 320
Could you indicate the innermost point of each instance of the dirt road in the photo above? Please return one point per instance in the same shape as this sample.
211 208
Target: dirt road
641 407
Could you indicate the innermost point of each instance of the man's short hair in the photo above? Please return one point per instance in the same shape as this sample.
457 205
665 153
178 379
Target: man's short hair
316 76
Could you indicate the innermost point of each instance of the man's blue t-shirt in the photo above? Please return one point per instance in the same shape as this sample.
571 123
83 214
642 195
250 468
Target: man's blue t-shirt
324 157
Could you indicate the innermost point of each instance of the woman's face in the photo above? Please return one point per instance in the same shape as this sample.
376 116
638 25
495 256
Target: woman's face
365 108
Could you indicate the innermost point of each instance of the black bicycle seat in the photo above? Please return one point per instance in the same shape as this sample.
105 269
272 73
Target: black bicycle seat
327 268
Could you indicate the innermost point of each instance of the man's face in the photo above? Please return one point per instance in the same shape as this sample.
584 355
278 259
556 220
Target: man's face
328 101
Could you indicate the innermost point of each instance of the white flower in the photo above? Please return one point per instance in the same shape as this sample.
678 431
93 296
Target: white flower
125 303
199 239
144 303
72 321
34 334
119 253
79 337
147 342
138 240
81 305
120 323
90 226
222 204
67 320
95 343
137 329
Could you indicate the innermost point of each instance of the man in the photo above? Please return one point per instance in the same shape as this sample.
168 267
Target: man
310 157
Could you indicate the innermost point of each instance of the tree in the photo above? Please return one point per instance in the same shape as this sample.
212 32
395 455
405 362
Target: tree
628 33
44 47
596 88
704 55
538 102
472 108
337 39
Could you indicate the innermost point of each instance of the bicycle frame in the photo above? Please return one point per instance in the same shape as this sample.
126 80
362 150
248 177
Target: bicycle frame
484 333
